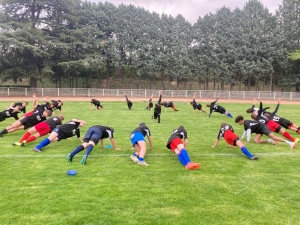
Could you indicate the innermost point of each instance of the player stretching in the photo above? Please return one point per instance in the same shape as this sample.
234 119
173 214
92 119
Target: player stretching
176 145
232 139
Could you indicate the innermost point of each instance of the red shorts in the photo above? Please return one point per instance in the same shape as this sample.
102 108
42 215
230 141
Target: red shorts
175 143
273 126
42 128
230 137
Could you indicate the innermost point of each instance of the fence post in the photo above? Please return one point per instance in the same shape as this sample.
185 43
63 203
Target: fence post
103 93
74 92
26 92
229 94
7 91
259 95
291 96
42 91
274 94
117 92
58 92
172 93
89 93
145 93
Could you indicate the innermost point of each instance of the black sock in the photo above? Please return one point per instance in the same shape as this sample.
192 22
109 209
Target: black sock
4 131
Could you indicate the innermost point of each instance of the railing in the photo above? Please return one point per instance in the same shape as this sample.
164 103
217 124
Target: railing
93 92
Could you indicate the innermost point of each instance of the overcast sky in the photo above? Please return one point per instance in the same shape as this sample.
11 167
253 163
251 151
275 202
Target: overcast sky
191 9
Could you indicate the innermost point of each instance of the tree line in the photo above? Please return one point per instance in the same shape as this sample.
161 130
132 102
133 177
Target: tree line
71 40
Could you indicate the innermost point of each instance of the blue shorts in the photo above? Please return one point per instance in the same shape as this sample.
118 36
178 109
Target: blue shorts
56 130
93 134
135 137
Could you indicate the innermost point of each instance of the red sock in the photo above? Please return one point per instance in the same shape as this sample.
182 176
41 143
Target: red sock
30 139
26 135
288 136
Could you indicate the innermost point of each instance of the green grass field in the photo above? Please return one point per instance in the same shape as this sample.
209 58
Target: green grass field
111 189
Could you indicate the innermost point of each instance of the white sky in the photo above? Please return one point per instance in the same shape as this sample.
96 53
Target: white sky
191 9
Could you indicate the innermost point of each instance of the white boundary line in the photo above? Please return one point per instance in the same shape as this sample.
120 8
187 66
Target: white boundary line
43 155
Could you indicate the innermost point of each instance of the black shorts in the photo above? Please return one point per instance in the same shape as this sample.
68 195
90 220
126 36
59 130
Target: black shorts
285 123
26 122
265 130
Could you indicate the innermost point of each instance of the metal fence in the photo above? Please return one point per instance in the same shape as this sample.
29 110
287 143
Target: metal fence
93 92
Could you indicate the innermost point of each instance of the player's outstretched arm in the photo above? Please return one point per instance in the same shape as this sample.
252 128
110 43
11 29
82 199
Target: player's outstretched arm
150 142
185 142
216 143
112 141
78 121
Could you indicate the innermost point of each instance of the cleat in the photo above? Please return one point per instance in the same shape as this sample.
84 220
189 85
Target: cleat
37 150
254 157
273 142
83 160
192 166
142 163
134 158
70 158
23 144
296 140
16 144
293 145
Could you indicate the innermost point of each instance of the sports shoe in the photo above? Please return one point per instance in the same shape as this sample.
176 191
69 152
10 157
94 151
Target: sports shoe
254 157
83 160
37 150
192 166
142 163
16 144
23 144
134 158
296 140
293 145
70 158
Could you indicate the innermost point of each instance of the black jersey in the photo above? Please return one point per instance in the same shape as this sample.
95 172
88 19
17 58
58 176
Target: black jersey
255 126
196 105
260 115
44 107
53 122
150 105
7 114
23 108
69 129
167 104
177 133
142 129
223 130
56 105
106 131
157 109
281 121
216 108
32 120
95 102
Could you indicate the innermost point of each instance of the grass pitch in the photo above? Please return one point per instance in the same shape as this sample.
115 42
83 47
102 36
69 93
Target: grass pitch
111 189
